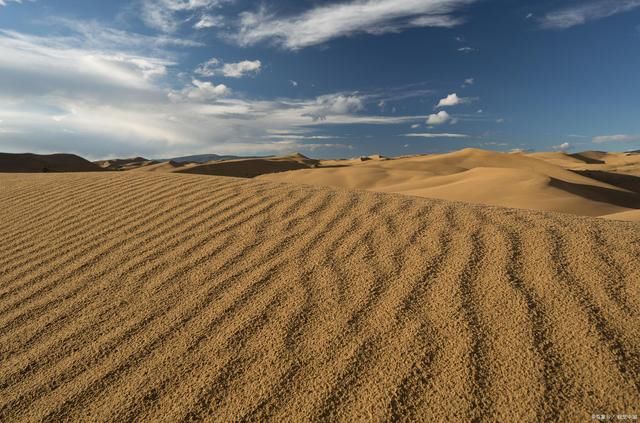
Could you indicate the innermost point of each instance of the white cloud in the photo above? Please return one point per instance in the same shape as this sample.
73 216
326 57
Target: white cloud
200 91
293 83
438 118
326 22
529 16
616 138
214 67
434 135
415 126
209 21
468 82
584 12
452 100
466 49
562 147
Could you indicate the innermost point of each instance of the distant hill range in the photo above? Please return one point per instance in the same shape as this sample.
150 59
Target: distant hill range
30 163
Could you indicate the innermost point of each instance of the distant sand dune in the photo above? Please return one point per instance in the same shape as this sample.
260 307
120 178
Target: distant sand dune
483 177
137 296
29 163
250 168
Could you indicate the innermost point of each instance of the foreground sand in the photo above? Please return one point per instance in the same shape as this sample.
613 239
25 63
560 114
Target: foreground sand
135 296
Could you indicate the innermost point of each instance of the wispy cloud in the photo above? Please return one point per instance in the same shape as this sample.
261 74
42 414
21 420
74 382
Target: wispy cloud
583 12
214 67
6 2
168 15
209 21
616 138
323 23
435 135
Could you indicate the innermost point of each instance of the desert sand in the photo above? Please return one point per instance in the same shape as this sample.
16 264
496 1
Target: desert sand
156 296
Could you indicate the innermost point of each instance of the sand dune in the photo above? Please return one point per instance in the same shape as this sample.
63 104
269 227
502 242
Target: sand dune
478 176
249 168
240 168
125 164
28 163
141 296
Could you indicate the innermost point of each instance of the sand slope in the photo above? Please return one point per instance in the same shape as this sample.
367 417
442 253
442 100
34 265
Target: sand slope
135 296
28 163
477 176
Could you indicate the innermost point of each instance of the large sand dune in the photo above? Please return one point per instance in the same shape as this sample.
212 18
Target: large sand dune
136 296
483 177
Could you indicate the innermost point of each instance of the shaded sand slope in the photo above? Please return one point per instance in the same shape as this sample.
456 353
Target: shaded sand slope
28 163
478 176
132 296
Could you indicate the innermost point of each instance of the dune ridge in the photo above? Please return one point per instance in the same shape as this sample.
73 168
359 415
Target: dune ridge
188 297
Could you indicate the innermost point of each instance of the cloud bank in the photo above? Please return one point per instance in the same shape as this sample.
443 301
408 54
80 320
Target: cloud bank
72 94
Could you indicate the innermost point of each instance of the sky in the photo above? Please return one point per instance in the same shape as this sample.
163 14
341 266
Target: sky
338 78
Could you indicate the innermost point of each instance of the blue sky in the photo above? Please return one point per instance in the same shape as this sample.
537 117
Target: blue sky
327 78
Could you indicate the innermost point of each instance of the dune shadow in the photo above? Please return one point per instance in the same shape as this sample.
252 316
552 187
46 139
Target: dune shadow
604 195
621 180
586 159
